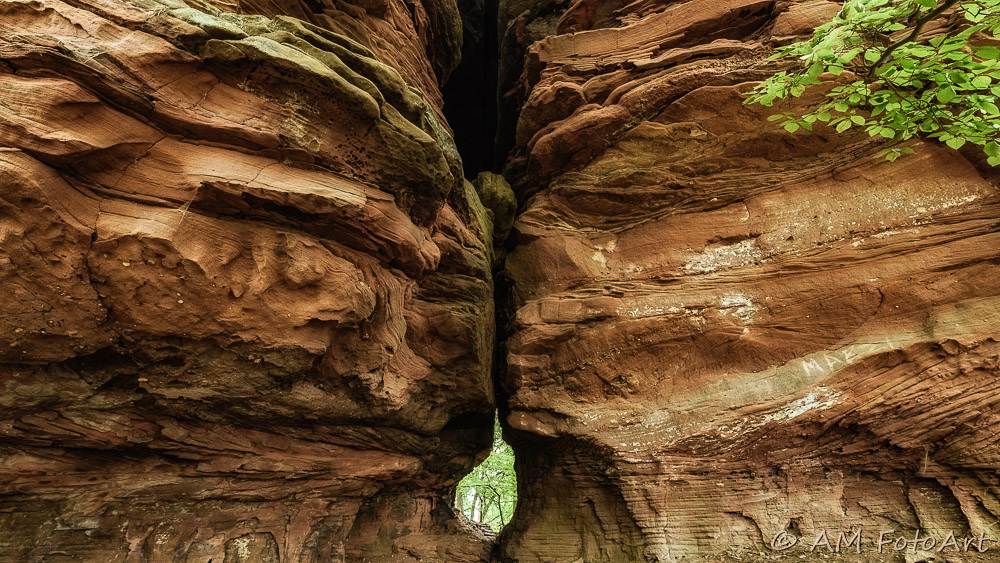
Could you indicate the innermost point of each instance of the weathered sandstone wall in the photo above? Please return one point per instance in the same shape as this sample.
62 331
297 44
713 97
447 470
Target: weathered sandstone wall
721 331
247 314
246 311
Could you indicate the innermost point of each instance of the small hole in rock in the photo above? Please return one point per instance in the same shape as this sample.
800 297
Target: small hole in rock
488 494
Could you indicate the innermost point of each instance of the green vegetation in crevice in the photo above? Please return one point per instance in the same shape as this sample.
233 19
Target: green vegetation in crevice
489 493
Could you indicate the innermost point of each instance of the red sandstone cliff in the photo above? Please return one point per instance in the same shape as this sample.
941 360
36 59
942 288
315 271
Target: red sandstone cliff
721 331
245 308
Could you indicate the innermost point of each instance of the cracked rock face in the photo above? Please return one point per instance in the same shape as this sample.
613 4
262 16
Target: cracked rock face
246 307
720 331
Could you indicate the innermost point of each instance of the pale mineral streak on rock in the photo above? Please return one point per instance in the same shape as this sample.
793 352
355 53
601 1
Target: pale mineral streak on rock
790 335
736 255
246 310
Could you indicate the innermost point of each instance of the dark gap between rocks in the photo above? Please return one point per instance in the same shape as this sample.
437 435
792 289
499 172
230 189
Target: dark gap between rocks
470 95
488 494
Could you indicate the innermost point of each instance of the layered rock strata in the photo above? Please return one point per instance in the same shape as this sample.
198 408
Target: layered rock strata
246 307
722 332
247 312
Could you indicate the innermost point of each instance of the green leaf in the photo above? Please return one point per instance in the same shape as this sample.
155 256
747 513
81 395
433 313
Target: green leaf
849 56
946 94
942 86
988 52
955 142
981 82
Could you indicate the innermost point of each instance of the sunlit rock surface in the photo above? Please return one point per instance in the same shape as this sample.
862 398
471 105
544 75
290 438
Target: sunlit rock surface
246 311
719 331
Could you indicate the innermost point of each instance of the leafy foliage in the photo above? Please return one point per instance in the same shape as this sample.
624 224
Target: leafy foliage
489 493
908 67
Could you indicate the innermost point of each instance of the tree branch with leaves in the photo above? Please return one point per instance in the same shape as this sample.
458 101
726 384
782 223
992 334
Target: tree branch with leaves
907 68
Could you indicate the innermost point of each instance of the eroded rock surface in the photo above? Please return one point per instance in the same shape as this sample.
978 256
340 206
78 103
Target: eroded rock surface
246 311
721 331
246 307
